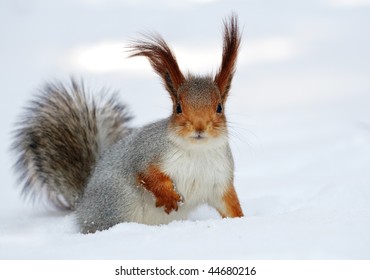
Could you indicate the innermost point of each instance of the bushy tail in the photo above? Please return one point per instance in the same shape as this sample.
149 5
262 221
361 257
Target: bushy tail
61 135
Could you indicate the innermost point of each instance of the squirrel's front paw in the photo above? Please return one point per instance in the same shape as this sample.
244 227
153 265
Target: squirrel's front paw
171 201
162 188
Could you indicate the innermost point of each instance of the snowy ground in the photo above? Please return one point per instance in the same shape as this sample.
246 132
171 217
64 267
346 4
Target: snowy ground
299 114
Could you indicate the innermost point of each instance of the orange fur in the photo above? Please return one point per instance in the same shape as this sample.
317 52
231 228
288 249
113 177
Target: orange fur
160 185
231 44
162 60
232 206
203 120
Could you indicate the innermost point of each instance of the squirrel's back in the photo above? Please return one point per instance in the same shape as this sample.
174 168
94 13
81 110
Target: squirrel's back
60 137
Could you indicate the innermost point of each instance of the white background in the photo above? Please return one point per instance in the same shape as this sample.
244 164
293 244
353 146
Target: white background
299 117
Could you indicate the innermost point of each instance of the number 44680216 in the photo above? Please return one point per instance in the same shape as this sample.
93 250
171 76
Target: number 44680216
232 271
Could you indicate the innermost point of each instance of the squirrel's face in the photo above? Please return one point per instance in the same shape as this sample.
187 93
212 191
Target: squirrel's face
198 113
198 102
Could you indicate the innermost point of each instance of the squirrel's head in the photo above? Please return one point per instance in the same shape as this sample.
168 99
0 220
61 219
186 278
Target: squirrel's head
198 102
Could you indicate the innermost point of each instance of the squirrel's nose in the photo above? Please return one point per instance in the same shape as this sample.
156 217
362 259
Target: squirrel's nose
199 128
198 134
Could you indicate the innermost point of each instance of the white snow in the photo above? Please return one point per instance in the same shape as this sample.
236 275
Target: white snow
299 127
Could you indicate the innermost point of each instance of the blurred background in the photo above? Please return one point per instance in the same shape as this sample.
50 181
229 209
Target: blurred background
301 62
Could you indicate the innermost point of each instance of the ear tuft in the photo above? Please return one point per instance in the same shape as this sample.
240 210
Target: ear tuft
161 59
231 44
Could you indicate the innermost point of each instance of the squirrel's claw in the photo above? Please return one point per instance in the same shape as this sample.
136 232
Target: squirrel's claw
170 202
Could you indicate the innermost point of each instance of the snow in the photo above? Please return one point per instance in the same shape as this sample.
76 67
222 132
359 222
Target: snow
299 125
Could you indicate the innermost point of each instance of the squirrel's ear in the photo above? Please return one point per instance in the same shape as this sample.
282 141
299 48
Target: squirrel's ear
162 60
231 43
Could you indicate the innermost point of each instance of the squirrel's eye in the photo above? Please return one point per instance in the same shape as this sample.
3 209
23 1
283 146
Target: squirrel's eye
219 108
178 108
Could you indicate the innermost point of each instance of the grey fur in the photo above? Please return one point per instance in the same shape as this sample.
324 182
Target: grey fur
113 194
113 189
201 90
59 138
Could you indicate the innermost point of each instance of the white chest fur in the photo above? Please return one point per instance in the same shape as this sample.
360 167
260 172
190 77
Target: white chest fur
199 175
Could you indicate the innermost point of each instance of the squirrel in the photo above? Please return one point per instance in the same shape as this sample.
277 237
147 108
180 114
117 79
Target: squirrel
84 156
